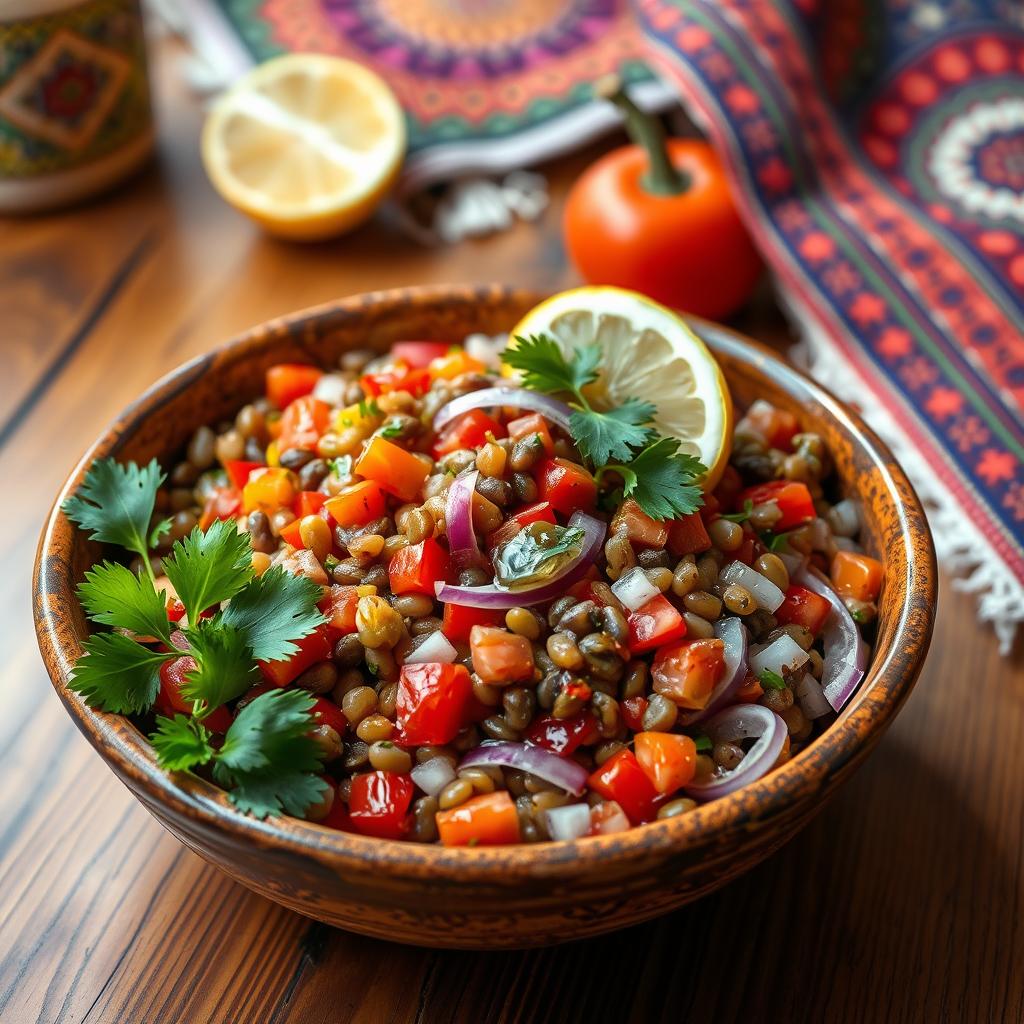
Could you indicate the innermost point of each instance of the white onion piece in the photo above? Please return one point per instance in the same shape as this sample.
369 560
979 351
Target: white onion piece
793 561
634 589
734 637
810 697
821 535
486 348
433 775
569 822
846 544
782 653
742 721
766 593
331 388
559 771
517 398
844 518
845 653
436 649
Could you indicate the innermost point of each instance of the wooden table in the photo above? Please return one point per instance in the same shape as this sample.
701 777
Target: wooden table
902 902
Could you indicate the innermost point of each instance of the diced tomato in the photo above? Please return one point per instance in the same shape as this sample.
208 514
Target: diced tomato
326 712
688 536
415 568
378 804
607 818
432 702
541 512
566 485
288 381
238 471
454 364
420 354
534 424
777 426
750 690
654 624
562 735
856 576
667 759
309 503
622 779
358 504
486 820
292 534
728 488
170 700
401 377
469 430
399 472
804 607
792 497
500 656
639 527
458 620
222 503
175 610
268 490
337 817
687 672
633 709
315 647
339 606
303 423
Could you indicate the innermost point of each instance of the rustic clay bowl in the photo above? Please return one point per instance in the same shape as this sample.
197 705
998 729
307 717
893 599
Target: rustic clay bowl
518 895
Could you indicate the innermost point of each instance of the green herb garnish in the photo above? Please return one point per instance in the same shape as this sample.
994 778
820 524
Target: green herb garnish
391 428
341 466
703 743
740 517
368 407
771 680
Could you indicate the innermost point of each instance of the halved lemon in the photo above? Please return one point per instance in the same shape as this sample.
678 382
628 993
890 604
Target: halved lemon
648 352
306 145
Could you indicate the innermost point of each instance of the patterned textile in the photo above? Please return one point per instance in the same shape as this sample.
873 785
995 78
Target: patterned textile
877 152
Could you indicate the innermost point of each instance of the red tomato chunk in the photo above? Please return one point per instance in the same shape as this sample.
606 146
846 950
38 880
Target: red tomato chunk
432 704
379 804
416 568
803 607
793 499
500 656
622 779
654 624
566 486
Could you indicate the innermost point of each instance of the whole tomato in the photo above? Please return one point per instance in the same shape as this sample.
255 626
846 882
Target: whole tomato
658 217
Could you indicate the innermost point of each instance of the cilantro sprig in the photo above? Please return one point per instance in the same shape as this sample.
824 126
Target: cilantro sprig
267 757
654 472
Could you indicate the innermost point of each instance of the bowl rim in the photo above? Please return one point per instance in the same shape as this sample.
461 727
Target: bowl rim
887 683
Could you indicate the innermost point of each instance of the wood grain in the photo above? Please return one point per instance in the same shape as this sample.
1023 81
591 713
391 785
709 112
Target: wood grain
901 902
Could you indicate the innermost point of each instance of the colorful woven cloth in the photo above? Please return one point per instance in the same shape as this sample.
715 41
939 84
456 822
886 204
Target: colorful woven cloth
877 153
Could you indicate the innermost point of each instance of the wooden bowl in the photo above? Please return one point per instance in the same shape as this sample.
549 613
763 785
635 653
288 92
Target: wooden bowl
500 896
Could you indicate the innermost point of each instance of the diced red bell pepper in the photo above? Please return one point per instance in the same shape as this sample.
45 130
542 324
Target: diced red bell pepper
171 701
222 503
540 512
401 377
562 735
432 702
326 712
309 503
314 648
459 621
633 709
641 529
420 354
303 423
567 486
338 817
292 534
688 672
415 568
288 381
688 536
469 430
358 504
622 779
238 471
526 426
804 607
792 497
486 820
339 606
653 624
378 804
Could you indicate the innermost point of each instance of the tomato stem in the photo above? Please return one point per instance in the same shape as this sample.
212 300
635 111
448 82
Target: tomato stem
662 178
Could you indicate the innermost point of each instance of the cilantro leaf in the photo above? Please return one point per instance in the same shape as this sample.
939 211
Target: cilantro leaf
545 368
116 503
391 428
703 743
660 479
740 517
117 674
610 436
225 667
274 610
268 756
113 595
771 680
207 568
181 743
158 531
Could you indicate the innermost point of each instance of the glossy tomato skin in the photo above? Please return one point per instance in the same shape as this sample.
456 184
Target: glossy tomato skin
566 486
379 804
415 568
689 250
432 703
622 779
315 647
459 621
653 624
170 701
562 735
804 607
469 430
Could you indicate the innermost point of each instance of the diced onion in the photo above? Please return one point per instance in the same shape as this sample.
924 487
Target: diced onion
569 822
331 388
435 649
844 518
782 653
634 589
810 697
821 535
793 561
767 594
486 348
433 775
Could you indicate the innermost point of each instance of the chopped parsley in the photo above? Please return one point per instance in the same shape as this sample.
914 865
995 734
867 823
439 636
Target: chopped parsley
740 517
703 743
771 680
391 428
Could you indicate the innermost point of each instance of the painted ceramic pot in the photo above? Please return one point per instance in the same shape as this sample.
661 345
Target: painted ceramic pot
74 100
500 896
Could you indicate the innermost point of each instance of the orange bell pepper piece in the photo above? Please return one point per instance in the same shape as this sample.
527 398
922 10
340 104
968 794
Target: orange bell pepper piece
856 576
268 490
399 472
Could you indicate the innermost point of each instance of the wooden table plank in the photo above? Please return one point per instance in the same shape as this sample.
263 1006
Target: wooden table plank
901 902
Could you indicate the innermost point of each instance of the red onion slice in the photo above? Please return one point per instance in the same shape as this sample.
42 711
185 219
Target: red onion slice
742 721
559 771
458 520
492 596
734 636
845 657
518 398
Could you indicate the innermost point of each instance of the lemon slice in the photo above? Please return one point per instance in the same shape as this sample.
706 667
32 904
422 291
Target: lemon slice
648 352
306 145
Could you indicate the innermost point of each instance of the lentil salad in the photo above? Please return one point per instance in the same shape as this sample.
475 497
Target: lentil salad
490 636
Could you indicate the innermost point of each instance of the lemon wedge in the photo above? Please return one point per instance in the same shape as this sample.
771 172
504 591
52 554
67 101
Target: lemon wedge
306 145
648 352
